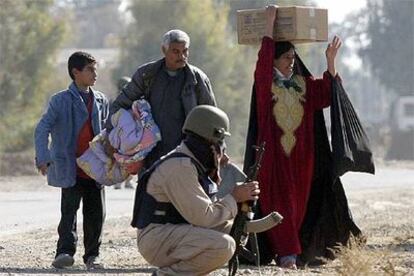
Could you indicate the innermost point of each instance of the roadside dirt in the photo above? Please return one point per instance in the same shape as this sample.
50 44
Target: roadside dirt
385 214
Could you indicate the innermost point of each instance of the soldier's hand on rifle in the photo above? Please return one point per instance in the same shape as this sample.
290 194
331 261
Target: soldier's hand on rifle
246 191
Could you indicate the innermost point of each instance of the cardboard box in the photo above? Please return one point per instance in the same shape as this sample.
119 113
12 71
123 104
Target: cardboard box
297 24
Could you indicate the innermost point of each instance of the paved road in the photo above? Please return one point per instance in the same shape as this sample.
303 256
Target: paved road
24 211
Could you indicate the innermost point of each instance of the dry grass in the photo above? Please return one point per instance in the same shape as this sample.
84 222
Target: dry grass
357 260
363 260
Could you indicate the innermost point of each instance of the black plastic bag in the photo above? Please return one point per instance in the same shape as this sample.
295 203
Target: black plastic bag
350 145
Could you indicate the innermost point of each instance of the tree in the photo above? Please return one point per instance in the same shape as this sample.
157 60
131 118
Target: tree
388 45
211 26
384 34
98 22
212 49
29 37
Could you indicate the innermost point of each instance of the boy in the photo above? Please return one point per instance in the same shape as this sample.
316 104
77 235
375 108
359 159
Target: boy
73 117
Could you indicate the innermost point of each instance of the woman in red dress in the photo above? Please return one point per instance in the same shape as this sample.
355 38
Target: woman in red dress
285 106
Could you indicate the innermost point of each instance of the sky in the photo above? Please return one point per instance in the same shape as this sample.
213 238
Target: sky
337 9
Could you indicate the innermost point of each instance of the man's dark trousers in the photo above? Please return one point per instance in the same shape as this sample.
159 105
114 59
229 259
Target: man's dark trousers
93 201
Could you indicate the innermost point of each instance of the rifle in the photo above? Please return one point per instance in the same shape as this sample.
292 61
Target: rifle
244 225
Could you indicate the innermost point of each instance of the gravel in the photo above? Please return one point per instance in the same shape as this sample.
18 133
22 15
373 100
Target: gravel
383 213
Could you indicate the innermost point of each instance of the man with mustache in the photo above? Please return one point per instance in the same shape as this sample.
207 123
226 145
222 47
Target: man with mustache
172 86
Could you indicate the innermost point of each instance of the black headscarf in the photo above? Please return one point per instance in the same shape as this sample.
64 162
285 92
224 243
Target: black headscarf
283 47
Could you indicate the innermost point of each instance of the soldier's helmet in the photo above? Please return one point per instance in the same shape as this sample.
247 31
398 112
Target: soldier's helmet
123 81
209 122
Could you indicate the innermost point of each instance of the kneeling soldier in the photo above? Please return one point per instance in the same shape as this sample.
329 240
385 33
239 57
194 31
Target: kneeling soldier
182 229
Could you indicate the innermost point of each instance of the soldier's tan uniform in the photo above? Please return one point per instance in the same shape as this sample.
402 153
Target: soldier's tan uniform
187 249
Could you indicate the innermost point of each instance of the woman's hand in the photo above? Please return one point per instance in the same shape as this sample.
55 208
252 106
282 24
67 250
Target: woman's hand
270 19
331 52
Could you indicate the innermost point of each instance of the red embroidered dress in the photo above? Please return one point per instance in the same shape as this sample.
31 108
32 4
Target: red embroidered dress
285 120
